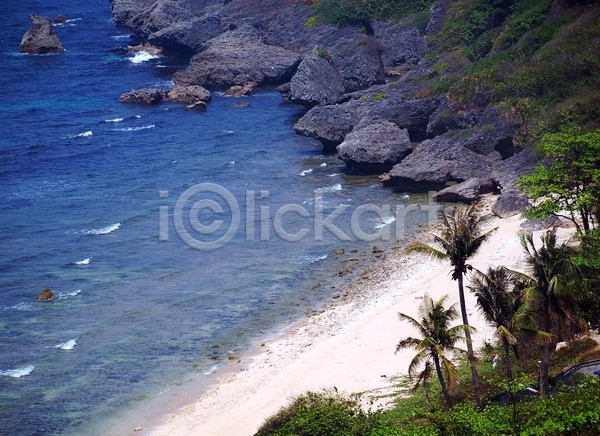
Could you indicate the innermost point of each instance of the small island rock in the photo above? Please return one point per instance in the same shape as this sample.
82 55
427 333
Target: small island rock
41 38
45 295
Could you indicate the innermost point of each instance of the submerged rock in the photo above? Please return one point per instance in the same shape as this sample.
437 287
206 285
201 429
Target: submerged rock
60 19
241 91
374 147
41 38
198 106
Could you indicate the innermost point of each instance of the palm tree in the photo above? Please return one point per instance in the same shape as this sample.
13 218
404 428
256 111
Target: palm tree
437 337
461 237
554 287
498 301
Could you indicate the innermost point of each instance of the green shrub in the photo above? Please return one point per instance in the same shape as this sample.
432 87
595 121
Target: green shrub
311 22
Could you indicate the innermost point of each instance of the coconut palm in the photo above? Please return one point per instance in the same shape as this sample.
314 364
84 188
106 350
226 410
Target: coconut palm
461 237
437 338
555 286
498 301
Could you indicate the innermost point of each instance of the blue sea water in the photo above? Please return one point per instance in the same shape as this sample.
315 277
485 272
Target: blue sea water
84 179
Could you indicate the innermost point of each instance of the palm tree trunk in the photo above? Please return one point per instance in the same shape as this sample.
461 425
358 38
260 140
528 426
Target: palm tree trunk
545 364
516 351
471 354
507 357
438 370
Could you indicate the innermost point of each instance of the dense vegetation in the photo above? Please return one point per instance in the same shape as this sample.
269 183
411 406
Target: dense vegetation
538 61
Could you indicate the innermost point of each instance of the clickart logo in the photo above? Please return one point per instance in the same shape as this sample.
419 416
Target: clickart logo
207 216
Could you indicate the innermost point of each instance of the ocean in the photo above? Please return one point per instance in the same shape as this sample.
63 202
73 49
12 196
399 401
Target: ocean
170 238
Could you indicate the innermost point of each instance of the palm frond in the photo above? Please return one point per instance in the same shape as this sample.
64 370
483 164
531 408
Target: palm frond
420 247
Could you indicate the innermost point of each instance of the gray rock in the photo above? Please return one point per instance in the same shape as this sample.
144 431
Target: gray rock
241 91
317 81
60 19
437 16
124 10
436 161
510 203
445 119
403 47
143 96
188 94
374 147
550 222
285 90
187 36
331 124
238 57
160 15
506 172
466 192
358 61
41 38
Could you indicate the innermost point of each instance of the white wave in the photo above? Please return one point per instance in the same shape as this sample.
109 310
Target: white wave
104 230
18 372
323 165
133 129
81 135
23 305
69 345
333 175
117 37
309 259
334 188
232 162
73 19
305 172
114 120
74 293
228 132
141 56
137 116
84 261
384 222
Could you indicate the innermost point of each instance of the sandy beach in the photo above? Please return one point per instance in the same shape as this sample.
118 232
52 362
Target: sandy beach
349 346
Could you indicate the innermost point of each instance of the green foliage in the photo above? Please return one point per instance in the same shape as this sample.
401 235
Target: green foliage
311 22
351 12
380 96
570 182
322 53
318 414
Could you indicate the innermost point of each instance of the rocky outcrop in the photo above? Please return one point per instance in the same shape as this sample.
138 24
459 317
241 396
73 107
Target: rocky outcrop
445 119
60 19
374 147
241 91
506 172
124 10
45 295
317 81
466 192
510 203
188 94
41 38
238 57
358 61
331 124
403 47
143 96
437 15
189 35
437 161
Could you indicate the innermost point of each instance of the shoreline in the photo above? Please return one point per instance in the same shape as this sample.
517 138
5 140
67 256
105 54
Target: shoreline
348 345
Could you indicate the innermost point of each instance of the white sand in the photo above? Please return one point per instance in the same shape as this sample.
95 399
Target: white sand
350 346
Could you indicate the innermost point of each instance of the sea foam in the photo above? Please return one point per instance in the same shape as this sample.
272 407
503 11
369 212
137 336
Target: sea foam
84 261
74 293
18 372
305 172
114 120
69 345
134 129
103 231
141 56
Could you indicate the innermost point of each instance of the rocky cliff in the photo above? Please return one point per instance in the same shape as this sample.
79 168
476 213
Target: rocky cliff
357 82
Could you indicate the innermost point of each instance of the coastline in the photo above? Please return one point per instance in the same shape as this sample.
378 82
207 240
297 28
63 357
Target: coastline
349 345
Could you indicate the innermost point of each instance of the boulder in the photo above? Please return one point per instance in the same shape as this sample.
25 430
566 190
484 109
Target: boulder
45 295
41 38
510 203
143 96
437 161
331 124
506 172
188 94
403 47
358 61
285 90
374 147
241 91
238 57
466 192
550 222
317 81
